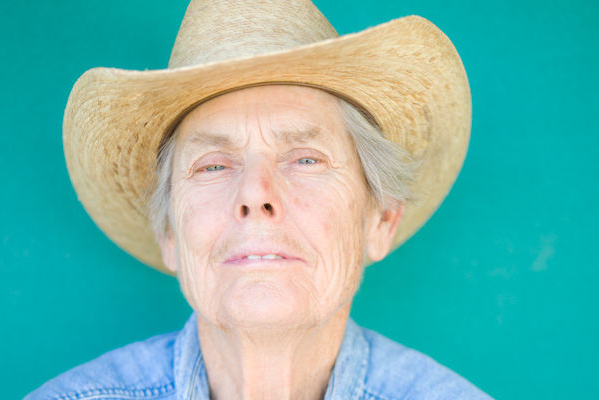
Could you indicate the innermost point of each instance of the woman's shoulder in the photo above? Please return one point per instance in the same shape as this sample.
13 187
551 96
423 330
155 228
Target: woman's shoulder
398 372
140 370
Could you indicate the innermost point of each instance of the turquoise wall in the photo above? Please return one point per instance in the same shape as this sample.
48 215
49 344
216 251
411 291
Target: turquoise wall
500 285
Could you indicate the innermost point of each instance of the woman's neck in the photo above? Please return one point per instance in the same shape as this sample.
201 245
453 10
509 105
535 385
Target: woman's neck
281 364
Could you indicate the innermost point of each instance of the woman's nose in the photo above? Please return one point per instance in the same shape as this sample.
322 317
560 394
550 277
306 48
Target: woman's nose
258 193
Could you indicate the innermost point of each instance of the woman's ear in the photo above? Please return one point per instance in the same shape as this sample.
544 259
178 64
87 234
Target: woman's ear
383 225
168 248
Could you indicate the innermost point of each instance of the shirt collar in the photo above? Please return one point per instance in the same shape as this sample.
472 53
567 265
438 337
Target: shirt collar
191 381
346 381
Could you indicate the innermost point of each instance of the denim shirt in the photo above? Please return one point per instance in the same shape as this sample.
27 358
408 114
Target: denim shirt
170 367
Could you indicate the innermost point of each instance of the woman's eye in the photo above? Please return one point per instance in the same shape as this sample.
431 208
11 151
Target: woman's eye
307 161
215 168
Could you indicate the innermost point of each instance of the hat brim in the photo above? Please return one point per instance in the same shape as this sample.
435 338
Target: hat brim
406 73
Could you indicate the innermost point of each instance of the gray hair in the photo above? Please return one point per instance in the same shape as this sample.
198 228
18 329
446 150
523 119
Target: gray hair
388 168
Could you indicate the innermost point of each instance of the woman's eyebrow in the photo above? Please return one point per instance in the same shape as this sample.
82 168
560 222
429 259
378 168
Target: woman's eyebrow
209 139
292 136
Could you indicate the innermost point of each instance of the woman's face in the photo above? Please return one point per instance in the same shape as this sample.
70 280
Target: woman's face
270 212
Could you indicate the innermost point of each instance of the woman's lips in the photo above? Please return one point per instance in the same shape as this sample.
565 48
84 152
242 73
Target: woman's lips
261 258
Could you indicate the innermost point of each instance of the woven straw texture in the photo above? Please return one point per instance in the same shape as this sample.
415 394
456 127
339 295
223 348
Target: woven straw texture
406 73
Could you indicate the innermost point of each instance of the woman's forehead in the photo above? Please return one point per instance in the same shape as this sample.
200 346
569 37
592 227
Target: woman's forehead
285 114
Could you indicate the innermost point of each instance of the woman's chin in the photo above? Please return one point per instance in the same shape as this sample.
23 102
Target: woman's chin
264 305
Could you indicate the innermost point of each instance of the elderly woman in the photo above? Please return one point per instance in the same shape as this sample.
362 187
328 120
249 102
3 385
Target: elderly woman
277 172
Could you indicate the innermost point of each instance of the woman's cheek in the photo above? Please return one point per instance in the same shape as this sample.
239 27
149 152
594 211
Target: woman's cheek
311 202
197 201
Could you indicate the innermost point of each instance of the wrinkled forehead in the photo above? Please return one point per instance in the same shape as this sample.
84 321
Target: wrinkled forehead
280 113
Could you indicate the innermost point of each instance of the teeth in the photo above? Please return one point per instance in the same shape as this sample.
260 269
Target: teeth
264 257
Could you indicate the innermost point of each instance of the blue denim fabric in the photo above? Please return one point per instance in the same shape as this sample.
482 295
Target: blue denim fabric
170 366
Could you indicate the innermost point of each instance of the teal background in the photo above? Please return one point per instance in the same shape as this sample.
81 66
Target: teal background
500 285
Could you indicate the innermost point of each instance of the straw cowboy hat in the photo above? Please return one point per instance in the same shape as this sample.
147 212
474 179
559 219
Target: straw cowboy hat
405 74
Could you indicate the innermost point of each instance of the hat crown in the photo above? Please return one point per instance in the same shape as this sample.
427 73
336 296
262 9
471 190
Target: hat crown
218 30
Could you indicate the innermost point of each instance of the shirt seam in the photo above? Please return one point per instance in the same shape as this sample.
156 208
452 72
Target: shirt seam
195 376
360 385
378 396
120 393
